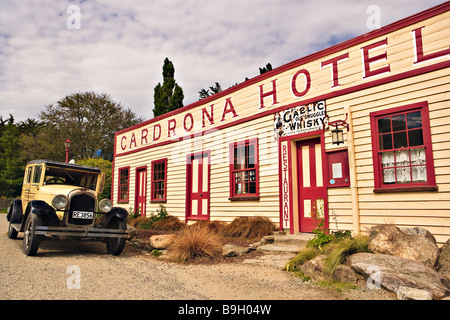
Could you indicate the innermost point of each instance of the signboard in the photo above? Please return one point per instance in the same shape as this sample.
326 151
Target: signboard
300 119
285 188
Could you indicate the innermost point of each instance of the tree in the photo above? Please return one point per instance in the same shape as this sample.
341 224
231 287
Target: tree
169 95
206 93
11 162
88 119
106 167
268 67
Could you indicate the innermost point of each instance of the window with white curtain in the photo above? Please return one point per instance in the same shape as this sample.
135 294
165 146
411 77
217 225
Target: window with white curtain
402 142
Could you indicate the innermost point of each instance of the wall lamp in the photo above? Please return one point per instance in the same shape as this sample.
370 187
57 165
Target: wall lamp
337 135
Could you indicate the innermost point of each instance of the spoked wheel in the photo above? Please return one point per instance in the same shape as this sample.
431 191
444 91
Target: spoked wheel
115 246
31 241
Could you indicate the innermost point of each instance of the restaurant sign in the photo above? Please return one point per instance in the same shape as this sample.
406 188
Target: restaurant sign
300 119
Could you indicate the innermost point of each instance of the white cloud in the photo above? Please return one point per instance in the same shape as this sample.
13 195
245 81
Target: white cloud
121 45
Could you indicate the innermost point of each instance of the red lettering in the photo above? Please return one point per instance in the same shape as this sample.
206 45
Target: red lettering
171 125
307 83
420 56
133 140
272 93
368 60
228 109
144 136
334 63
188 115
210 116
154 132
121 143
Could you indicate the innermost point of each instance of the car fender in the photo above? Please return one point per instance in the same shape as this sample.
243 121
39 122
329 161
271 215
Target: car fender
116 212
43 210
15 214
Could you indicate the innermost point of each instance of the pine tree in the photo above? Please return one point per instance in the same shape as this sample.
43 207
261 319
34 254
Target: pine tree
169 95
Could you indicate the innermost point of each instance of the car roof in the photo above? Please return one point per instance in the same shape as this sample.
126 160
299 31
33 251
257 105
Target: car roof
65 165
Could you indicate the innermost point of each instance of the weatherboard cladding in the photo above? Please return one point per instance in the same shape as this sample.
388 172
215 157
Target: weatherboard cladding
379 70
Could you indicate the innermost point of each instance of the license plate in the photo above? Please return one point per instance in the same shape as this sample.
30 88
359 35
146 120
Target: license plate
83 215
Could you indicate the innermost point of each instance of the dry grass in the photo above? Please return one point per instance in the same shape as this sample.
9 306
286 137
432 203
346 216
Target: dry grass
194 242
248 228
170 223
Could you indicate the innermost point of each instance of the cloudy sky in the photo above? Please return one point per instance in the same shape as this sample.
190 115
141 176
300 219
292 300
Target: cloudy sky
50 49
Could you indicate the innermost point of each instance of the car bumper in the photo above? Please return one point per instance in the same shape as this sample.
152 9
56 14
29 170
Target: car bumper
81 232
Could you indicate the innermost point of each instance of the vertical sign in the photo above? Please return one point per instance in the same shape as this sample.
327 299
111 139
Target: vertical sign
285 187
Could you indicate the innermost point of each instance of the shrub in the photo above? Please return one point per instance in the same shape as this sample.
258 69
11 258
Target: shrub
195 242
248 227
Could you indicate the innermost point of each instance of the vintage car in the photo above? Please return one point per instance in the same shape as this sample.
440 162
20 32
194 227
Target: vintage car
60 200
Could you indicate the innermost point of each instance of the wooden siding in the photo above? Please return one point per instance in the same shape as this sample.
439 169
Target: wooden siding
408 83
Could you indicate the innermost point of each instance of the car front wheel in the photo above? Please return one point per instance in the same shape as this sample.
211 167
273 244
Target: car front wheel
116 245
31 241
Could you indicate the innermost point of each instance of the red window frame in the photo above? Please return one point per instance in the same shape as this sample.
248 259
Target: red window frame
159 175
390 134
123 194
250 163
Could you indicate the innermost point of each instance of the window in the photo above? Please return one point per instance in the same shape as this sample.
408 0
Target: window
244 170
37 175
159 180
124 182
401 146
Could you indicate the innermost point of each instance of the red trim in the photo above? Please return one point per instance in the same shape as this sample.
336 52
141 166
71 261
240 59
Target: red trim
232 146
189 157
152 194
127 200
370 84
426 132
439 9
136 190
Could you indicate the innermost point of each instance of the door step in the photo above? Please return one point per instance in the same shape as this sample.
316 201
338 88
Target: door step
284 244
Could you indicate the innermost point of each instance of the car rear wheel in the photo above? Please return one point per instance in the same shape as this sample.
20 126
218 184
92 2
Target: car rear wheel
115 246
12 233
31 241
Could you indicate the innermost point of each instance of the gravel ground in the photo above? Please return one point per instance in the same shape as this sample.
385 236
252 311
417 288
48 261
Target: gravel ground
52 274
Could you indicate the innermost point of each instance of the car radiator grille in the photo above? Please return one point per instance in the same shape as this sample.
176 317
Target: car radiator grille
84 204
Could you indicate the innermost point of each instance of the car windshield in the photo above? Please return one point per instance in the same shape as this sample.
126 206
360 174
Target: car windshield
56 175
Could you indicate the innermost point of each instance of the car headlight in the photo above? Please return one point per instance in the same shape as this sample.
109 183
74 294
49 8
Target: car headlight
60 201
105 205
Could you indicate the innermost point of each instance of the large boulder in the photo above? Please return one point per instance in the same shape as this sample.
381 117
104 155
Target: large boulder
315 269
162 241
409 279
444 260
388 239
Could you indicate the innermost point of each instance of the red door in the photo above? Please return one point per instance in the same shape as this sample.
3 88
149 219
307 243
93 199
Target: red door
141 191
197 186
312 191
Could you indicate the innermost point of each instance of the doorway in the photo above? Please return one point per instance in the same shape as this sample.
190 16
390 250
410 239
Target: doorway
312 192
198 168
141 191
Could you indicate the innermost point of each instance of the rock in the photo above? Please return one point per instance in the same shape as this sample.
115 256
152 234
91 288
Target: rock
230 250
314 268
392 273
346 274
404 293
161 241
418 231
388 239
444 260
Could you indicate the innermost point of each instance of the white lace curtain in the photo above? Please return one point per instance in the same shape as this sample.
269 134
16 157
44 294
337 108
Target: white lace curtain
397 163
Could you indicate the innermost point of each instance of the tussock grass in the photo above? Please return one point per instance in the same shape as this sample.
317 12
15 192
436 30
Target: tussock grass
336 251
195 242
170 223
248 228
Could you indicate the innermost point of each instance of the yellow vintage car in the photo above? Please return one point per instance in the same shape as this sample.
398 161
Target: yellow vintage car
60 199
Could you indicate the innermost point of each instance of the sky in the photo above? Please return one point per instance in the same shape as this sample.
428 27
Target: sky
50 49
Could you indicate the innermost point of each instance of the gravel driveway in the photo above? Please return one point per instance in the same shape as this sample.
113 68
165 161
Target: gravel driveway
80 270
